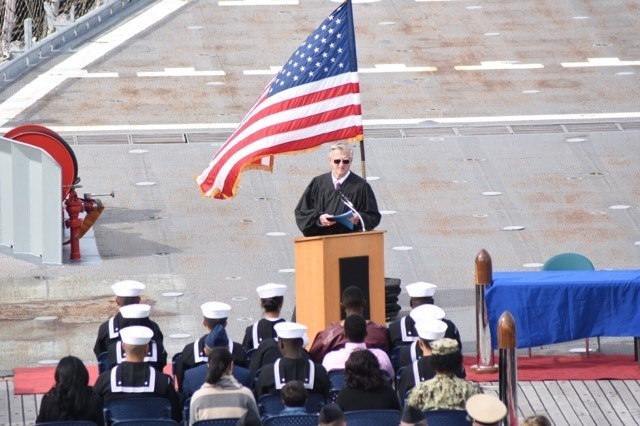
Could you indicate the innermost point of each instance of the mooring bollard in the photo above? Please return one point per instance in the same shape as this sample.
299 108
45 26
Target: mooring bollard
508 361
485 359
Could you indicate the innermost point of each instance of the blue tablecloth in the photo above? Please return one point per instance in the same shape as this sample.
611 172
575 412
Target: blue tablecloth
559 306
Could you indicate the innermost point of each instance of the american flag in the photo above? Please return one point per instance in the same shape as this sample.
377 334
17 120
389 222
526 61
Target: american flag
313 99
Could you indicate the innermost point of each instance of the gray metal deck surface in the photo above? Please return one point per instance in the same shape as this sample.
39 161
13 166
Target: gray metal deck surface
560 166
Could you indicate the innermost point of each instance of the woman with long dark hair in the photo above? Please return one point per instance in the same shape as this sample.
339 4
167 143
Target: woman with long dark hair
366 387
71 398
221 396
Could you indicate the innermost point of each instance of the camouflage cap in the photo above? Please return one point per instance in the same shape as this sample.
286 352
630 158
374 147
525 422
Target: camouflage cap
444 346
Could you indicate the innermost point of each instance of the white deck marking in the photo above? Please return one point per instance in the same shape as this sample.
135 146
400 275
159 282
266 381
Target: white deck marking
92 51
179 72
599 62
379 69
497 65
505 119
258 2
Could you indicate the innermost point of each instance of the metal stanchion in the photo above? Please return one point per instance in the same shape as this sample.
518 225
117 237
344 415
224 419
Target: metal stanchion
485 360
508 373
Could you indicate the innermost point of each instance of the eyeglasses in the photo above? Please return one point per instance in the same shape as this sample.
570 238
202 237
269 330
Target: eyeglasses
343 161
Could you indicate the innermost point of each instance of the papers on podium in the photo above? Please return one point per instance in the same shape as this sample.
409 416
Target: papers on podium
343 219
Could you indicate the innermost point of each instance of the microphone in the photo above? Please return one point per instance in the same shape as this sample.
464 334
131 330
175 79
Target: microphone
349 204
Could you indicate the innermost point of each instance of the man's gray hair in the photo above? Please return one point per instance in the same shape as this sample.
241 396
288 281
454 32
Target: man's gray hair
342 146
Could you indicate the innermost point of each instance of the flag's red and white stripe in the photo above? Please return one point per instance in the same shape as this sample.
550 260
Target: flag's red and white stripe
295 119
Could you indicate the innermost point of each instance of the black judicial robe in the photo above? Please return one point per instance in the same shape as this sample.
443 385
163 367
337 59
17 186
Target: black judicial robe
262 329
418 372
138 379
109 331
315 378
403 332
321 197
193 355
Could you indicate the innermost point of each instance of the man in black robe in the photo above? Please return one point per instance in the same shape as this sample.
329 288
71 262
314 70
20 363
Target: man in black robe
334 193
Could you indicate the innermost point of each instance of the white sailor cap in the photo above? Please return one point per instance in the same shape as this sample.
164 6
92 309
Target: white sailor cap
215 310
431 329
290 330
136 310
127 288
136 335
425 312
421 289
271 290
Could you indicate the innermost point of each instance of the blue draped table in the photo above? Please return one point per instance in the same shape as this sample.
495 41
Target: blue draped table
559 306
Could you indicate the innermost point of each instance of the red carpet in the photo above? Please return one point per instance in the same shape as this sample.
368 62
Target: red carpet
34 380
37 380
569 367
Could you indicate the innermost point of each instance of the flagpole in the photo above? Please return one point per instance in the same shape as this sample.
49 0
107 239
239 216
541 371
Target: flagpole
362 160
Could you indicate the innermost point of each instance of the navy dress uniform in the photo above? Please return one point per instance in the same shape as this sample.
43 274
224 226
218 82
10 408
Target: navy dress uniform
138 314
263 328
108 332
402 331
193 354
409 352
420 369
273 377
137 379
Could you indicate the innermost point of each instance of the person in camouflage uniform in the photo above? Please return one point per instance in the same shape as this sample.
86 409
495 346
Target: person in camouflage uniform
445 390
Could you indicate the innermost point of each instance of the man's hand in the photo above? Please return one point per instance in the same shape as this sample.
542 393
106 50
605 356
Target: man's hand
324 221
354 219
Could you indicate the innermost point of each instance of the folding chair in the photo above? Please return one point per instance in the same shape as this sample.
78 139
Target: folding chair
447 418
134 408
372 417
292 420
570 262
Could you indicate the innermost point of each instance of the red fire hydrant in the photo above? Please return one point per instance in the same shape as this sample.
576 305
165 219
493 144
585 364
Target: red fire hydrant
74 207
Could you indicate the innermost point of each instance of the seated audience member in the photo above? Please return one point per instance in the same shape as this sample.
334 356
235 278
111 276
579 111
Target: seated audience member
444 391
411 416
537 420
485 410
355 330
366 388
138 314
127 293
294 397
195 377
292 365
407 354
268 352
271 300
331 415
402 331
421 369
135 378
221 396
331 338
71 397
193 354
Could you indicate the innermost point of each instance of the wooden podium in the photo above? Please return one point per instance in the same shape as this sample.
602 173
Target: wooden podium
327 265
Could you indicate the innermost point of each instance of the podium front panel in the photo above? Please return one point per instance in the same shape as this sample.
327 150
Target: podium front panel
326 265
